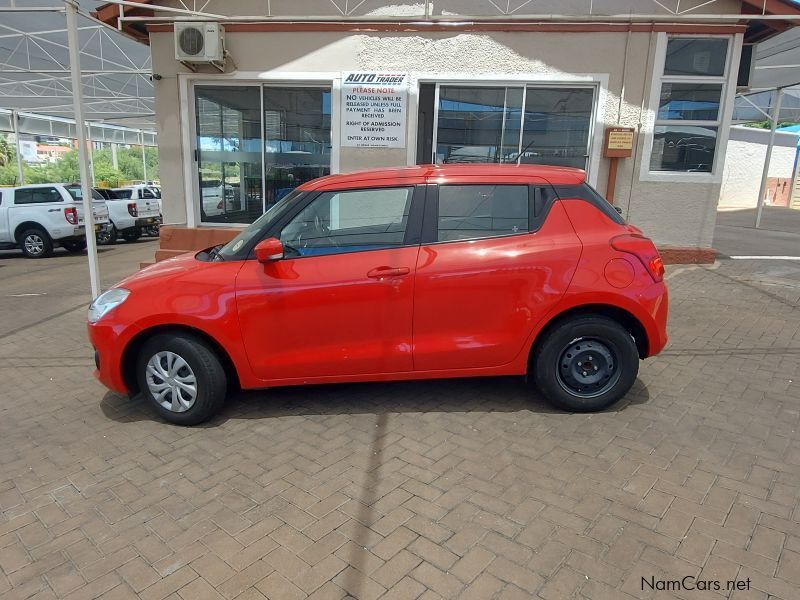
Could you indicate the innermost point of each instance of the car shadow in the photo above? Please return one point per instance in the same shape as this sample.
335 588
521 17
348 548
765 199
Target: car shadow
485 395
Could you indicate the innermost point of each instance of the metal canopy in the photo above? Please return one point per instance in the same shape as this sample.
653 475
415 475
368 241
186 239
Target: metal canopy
35 72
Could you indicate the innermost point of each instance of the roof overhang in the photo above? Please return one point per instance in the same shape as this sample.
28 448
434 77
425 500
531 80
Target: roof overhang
139 20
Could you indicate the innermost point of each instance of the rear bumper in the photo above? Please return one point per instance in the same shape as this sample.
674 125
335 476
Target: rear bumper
655 300
148 221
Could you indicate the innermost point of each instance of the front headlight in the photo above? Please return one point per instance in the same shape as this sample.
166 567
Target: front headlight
106 302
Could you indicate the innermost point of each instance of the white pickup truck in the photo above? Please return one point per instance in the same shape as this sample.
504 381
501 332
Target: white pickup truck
130 211
37 218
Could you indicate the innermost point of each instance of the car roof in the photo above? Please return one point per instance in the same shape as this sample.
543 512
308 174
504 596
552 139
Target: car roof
39 185
451 174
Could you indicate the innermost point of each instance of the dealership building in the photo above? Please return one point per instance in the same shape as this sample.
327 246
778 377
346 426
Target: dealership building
255 97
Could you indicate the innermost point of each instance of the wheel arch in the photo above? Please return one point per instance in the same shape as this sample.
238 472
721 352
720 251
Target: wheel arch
625 318
20 229
128 361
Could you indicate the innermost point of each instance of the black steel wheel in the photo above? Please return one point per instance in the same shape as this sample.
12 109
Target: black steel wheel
586 363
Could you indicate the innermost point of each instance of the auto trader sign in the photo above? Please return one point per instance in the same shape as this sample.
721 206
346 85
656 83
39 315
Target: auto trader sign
374 114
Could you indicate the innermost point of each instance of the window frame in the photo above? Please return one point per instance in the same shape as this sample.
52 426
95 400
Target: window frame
537 198
728 83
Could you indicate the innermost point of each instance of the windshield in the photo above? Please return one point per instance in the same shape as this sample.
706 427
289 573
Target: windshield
77 194
239 247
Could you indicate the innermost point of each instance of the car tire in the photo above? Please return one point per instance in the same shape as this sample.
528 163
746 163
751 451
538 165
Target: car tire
35 243
107 237
586 364
169 367
131 235
74 246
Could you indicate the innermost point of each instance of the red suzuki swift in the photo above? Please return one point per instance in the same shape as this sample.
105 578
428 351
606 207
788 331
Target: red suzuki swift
414 273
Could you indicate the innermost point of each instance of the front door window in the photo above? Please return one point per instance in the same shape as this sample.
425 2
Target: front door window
349 221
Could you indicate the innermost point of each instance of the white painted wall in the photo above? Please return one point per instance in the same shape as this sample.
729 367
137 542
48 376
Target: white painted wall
747 150
673 213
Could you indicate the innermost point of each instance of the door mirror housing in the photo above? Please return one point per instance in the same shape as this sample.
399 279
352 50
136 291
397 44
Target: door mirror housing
269 250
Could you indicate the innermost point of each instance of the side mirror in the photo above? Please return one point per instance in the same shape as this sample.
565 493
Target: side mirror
269 250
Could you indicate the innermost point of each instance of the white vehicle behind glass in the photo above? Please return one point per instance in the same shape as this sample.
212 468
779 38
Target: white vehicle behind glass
132 210
38 218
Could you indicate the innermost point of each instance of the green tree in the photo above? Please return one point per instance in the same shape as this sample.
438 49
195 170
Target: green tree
7 152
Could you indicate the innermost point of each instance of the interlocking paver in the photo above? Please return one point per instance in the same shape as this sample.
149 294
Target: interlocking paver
409 490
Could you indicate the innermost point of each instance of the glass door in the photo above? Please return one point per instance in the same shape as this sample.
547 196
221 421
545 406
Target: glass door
229 153
297 138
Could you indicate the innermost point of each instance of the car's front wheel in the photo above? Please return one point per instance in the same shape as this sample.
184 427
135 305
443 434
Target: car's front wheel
181 377
107 236
586 363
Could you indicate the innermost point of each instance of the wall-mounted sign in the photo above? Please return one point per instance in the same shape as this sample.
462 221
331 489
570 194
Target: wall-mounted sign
374 109
618 142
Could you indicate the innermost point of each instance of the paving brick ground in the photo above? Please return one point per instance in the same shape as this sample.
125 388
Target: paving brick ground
472 489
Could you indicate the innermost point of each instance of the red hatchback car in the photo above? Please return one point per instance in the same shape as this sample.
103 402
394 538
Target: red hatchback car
413 273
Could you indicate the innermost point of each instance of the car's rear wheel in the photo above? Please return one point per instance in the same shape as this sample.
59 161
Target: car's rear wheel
586 364
35 243
74 246
181 377
131 235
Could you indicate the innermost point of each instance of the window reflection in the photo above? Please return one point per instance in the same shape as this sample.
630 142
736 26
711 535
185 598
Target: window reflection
297 138
683 148
478 125
229 153
557 126
482 124
248 161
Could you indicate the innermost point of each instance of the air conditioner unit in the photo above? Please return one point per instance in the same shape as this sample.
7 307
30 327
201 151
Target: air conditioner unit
200 43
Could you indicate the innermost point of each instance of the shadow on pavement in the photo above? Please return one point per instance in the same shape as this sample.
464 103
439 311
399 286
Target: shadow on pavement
501 394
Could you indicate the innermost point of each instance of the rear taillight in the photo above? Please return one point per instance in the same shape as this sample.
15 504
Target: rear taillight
643 249
71 215
132 211
219 206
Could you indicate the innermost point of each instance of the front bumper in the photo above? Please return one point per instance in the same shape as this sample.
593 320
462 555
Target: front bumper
109 347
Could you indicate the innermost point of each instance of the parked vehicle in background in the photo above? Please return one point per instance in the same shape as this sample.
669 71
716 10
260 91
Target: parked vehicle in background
102 224
38 218
147 191
496 269
129 214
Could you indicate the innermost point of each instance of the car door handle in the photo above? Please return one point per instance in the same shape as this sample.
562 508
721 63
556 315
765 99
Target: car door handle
380 272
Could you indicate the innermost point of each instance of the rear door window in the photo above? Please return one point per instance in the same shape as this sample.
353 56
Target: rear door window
482 211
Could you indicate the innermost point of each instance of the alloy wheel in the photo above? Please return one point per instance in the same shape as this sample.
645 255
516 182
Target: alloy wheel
34 244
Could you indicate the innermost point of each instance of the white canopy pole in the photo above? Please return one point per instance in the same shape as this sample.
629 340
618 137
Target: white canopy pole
83 145
144 157
15 127
774 118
